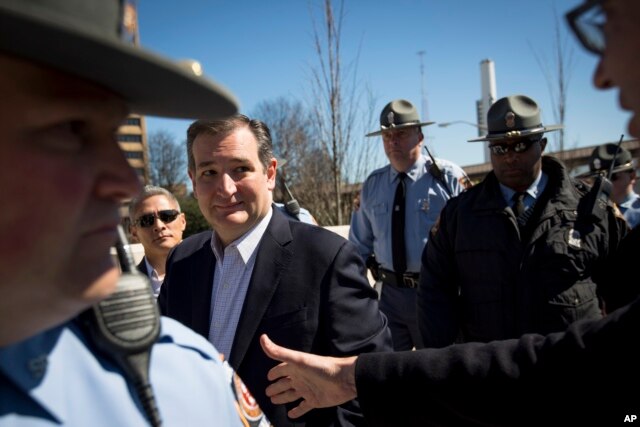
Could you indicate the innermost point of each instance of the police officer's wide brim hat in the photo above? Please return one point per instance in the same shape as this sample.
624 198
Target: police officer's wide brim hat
603 155
514 116
398 114
83 38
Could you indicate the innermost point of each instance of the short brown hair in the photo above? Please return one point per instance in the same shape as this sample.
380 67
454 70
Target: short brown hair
225 127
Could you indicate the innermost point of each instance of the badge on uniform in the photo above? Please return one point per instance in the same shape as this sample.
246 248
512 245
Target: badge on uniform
423 204
574 238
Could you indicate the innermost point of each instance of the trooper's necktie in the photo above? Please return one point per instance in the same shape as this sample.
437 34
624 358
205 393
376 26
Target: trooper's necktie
518 205
397 227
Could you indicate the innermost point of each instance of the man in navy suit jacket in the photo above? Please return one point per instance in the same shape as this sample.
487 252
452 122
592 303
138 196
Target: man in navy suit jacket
259 272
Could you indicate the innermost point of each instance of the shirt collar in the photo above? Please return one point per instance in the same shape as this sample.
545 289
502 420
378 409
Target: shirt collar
413 172
245 244
156 280
535 189
629 199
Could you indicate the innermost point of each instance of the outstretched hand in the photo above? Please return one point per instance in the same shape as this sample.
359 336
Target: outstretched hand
320 381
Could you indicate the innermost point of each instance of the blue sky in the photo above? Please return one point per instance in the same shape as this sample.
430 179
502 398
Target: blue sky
262 50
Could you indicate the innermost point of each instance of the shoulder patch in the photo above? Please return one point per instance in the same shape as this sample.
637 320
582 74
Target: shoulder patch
465 182
616 211
436 226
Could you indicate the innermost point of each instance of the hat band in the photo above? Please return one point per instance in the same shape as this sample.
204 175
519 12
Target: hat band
393 125
516 133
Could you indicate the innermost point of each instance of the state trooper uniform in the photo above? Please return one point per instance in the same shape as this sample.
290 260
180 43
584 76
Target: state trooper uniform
490 273
600 163
371 227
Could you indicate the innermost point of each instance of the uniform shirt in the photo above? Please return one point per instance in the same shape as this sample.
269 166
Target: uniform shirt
303 216
531 194
425 197
53 378
234 266
630 208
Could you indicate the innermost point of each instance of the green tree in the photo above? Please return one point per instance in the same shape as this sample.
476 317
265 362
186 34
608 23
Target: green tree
195 220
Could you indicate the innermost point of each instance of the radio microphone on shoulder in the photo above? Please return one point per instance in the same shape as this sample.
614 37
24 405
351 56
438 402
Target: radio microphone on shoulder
125 326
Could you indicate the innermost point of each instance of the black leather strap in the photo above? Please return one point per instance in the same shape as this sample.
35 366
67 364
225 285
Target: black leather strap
406 280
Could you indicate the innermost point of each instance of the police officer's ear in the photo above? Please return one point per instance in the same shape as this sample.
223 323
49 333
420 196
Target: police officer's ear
421 135
133 230
543 144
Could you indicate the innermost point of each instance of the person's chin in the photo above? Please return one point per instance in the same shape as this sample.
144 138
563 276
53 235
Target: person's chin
165 242
511 176
234 214
96 284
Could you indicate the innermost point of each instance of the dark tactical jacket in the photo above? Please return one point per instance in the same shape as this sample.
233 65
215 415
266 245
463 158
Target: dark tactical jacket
485 278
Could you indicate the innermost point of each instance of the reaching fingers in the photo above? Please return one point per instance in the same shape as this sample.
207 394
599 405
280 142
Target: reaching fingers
281 386
300 410
278 371
276 352
286 396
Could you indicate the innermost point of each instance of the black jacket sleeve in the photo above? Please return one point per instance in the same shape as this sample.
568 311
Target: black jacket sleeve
587 375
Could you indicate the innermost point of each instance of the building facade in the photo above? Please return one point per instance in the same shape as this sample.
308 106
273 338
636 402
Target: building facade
132 137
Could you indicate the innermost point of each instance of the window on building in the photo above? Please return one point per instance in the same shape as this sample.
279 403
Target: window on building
133 154
126 137
132 121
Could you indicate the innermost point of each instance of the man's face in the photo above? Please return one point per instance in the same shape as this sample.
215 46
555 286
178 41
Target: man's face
620 63
230 183
160 237
517 170
63 176
402 146
622 183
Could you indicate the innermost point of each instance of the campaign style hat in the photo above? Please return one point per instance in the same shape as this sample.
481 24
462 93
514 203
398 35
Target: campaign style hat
602 156
514 116
398 114
86 38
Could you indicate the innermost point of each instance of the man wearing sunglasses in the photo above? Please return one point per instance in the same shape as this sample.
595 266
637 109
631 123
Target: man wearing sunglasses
158 224
518 253
581 376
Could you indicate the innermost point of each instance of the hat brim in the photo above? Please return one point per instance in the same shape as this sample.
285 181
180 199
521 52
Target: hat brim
517 134
149 83
394 127
621 168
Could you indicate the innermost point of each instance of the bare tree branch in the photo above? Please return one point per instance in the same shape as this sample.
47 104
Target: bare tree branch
167 161
558 76
335 107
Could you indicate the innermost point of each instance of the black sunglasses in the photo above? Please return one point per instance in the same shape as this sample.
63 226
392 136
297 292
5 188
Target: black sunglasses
587 23
519 147
166 216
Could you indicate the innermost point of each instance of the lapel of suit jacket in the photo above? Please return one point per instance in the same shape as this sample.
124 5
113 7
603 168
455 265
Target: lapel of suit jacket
272 260
202 269
142 267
